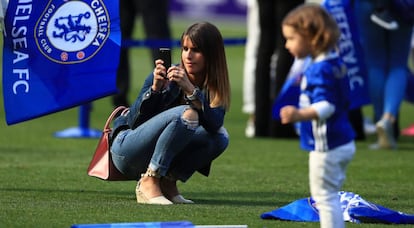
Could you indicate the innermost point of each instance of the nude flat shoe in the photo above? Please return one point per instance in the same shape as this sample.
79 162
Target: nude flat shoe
158 200
179 199
143 199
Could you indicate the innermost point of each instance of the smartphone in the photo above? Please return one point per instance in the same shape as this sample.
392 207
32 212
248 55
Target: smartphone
165 55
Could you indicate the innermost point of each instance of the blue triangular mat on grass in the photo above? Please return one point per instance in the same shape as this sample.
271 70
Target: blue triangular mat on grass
300 211
354 208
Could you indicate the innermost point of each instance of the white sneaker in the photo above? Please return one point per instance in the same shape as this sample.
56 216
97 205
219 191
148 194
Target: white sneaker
250 130
385 131
369 127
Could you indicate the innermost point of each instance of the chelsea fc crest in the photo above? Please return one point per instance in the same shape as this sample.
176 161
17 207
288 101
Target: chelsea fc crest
72 31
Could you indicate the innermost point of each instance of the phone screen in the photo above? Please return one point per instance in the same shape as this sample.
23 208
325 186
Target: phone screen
165 55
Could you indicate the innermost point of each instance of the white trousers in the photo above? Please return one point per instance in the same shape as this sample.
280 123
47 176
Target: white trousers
326 177
252 44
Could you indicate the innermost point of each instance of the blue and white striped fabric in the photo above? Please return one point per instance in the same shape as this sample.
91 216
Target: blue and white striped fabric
355 209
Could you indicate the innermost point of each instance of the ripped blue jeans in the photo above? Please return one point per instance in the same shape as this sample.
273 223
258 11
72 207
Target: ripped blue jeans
169 144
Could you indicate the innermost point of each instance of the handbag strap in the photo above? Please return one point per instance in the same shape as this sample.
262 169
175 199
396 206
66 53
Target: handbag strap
113 114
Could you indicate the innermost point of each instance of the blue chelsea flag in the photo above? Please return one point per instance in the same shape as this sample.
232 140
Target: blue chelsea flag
58 54
350 50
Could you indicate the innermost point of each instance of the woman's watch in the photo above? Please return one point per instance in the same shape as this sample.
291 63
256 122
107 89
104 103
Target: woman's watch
193 96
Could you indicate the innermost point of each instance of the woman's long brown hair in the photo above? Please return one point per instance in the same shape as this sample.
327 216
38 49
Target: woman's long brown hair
207 38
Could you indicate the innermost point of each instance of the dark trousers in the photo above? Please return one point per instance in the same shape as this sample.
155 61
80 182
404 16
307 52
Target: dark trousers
271 14
155 19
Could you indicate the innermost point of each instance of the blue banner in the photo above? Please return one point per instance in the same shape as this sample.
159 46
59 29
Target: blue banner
58 54
350 50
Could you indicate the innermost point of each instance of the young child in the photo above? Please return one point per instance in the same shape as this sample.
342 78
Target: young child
325 130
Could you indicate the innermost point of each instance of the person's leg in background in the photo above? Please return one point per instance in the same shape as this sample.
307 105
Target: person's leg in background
398 46
252 41
127 12
409 131
156 19
396 82
373 39
283 64
373 42
383 76
285 59
267 45
357 120
271 14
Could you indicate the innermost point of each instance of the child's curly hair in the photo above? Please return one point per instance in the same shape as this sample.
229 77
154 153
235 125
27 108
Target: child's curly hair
313 22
